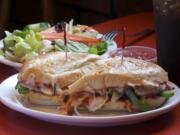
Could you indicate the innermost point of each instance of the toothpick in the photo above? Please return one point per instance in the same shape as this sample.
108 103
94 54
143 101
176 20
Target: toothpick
66 56
65 42
122 56
124 29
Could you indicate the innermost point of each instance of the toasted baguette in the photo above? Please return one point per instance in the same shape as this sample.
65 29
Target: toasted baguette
123 106
41 99
113 73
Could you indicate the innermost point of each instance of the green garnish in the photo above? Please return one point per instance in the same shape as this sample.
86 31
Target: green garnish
22 90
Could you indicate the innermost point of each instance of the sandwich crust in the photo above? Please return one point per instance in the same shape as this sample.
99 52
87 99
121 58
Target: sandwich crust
112 73
38 98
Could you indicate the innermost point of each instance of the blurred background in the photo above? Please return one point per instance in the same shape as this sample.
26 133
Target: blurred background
15 14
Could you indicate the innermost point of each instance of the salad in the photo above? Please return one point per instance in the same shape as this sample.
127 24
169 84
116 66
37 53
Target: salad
40 38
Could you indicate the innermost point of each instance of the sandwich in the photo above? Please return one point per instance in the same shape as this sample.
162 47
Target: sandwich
92 83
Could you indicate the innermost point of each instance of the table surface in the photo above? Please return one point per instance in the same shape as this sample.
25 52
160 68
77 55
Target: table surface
14 123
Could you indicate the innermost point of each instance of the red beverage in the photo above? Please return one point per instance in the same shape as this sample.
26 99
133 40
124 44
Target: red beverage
138 52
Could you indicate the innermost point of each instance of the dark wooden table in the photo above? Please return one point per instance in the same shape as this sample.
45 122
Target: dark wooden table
14 123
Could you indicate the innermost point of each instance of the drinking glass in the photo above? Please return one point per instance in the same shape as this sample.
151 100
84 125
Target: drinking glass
167 16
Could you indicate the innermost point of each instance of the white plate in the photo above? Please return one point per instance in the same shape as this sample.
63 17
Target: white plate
8 98
112 46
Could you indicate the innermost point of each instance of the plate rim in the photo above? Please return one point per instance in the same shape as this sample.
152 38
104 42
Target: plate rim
65 119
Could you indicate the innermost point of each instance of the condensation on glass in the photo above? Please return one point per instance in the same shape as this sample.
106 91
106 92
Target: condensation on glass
164 7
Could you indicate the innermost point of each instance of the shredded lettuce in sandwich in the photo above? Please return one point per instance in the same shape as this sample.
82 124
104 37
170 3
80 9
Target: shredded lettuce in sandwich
1 52
167 94
21 90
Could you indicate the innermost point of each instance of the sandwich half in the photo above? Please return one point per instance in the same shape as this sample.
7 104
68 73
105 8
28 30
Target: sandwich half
43 79
131 86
